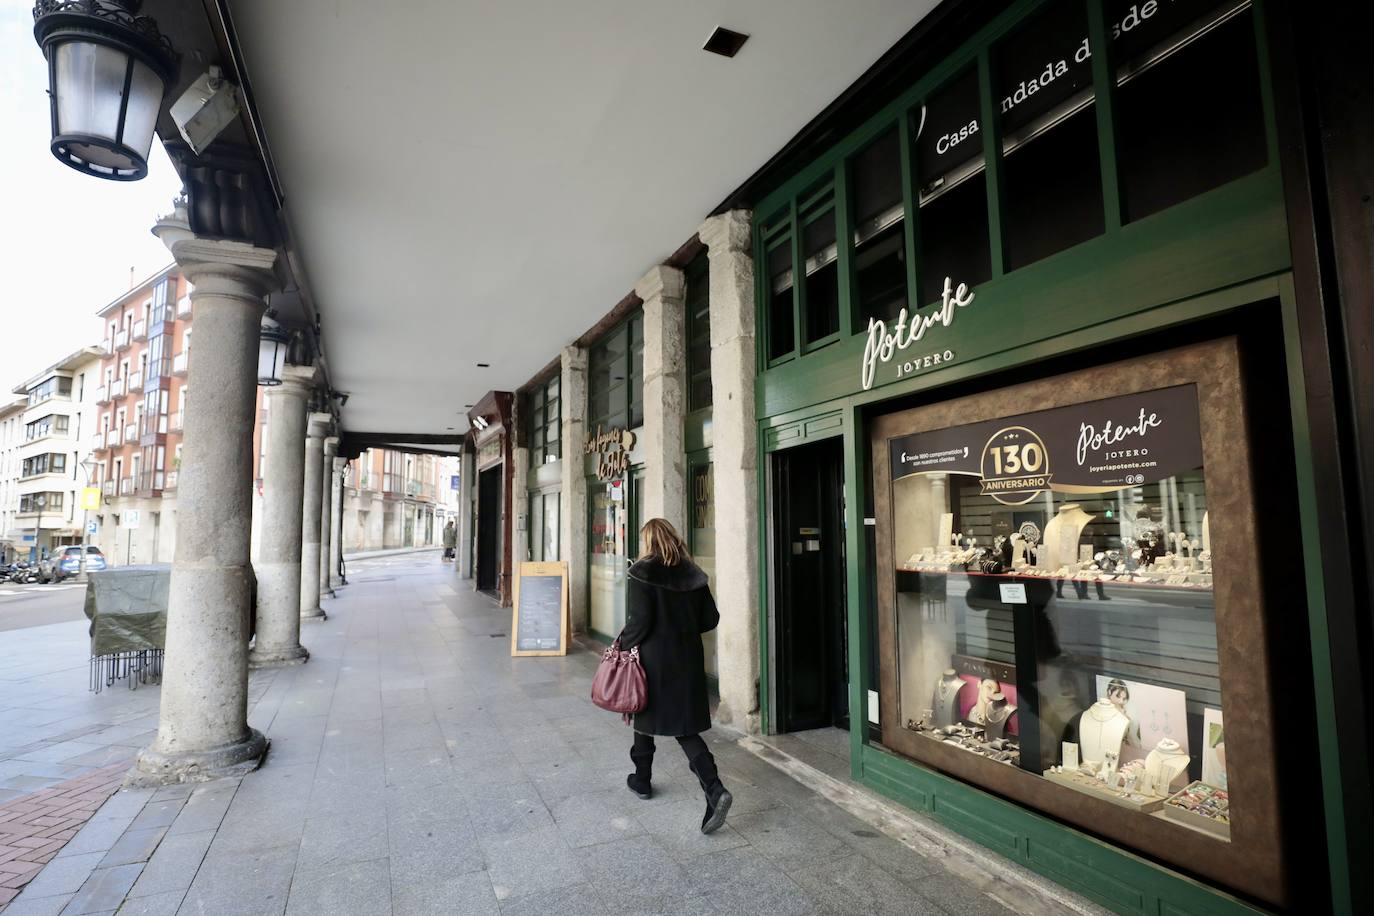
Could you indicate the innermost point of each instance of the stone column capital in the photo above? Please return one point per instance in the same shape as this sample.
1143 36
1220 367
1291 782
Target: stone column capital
661 281
340 464
573 358
227 267
317 425
729 231
331 447
295 380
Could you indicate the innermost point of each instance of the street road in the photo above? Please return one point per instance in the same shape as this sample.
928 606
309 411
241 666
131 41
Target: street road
39 605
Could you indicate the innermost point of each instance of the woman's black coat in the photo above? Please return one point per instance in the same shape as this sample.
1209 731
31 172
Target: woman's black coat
667 610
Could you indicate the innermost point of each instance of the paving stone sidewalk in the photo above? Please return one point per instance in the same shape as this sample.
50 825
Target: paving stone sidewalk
416 768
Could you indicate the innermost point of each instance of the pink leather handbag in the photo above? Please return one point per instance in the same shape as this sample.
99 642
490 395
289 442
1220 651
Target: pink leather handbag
619 685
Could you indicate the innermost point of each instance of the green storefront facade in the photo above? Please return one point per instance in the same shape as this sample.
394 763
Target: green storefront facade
1138 202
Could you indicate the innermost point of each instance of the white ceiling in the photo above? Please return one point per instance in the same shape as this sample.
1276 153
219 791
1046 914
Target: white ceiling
480 182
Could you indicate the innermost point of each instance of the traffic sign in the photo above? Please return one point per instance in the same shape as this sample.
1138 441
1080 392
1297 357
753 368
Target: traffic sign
90 498
92 527
131 518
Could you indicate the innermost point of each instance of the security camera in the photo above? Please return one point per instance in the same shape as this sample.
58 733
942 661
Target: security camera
205 109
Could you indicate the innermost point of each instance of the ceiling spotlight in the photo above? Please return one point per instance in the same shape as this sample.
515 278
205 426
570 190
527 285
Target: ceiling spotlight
725 42
480 422
484 365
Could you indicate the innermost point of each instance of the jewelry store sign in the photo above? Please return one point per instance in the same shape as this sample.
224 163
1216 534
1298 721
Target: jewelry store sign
885 343
1094 447
613 447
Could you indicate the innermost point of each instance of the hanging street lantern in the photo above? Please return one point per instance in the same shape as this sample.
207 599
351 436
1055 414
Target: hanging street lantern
108 69
273 342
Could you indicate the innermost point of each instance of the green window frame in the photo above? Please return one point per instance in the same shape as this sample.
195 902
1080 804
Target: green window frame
697 305
615 387
544 422
784 216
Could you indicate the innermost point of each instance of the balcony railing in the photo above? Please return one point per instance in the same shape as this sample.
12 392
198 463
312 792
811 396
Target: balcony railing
118 388
136 381
96 442
107 488
121 339
126 486
107 346
183 306
179 363
154 426
112 438
178 420
130 432
102 395
140 330
171 482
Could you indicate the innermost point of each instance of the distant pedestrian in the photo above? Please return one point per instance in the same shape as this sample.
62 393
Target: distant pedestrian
669 606
450 539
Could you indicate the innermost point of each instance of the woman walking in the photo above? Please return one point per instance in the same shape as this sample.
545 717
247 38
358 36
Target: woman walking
668 607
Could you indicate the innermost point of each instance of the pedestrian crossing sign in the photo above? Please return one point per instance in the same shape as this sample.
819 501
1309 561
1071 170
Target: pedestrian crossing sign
90 498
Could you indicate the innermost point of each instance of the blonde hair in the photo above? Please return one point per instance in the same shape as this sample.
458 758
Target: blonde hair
660 540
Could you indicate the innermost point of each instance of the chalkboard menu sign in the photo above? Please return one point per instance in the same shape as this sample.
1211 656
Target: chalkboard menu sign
540 623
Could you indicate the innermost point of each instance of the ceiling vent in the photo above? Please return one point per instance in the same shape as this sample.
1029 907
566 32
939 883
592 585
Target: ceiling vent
725 42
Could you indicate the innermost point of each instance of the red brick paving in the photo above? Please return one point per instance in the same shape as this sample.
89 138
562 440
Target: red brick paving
34 828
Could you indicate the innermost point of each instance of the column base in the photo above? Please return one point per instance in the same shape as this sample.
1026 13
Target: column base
314 615
269 657
328 593
156 768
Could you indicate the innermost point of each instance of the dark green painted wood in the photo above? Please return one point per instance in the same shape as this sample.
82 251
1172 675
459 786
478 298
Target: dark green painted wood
844 252
1104 102
1313 532
1110 877
856 562
911 213
1218 239
697 430
992 163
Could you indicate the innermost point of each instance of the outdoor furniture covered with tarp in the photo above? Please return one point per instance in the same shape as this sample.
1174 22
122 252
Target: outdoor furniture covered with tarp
127 608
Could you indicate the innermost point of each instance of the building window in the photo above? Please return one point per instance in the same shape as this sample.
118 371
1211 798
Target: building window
51 425
544 423
28 502
58 386
616 388
698 308
52 463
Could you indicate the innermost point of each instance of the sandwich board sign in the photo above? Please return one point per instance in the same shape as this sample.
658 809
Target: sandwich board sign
539 619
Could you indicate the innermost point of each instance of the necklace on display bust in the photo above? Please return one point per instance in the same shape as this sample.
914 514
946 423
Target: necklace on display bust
999 710
1102 728
1165 764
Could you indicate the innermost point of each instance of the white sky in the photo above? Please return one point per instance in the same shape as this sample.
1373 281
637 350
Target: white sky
67 240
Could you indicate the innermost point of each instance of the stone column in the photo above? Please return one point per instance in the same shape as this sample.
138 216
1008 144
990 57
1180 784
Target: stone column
665 385
572 515
336 537
313 509
277 639
331 449
467 474
734 434
203 730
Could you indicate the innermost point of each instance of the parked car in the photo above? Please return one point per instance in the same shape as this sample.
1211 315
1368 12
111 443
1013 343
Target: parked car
67 564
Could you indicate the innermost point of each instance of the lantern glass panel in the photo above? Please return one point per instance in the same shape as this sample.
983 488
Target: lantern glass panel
271 358
89 82
145 98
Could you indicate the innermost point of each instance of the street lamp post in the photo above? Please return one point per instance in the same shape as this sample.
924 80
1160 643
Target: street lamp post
40 501
89 465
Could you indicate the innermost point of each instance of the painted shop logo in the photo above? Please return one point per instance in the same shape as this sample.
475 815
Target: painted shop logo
613 446
883 344
1093 438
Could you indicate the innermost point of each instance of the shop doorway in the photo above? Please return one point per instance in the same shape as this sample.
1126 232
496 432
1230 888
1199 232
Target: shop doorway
811 680
489 529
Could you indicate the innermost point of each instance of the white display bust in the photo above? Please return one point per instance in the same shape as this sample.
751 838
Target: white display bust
1062 534
1101 728
1164 765
999 712
946 701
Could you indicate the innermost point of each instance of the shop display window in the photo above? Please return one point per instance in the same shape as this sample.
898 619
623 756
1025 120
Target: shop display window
1070 611
875 178
781 320
610 555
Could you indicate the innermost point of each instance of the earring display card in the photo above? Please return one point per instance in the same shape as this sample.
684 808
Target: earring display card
1155 713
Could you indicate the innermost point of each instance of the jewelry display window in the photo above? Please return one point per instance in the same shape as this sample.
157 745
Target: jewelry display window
1071 616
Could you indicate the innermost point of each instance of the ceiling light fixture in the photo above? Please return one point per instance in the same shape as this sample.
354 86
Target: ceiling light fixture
725 42
484 365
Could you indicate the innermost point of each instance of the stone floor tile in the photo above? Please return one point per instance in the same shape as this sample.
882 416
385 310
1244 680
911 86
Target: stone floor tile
104 890
598 817
28 905
518 811
164 904
174 864
582 900
857 884
356 888
740 881
423 851
329 842
677 826
453 895
253 882
136 845
99 835
635 871
956 896
787 838
64 875
158 814
526 863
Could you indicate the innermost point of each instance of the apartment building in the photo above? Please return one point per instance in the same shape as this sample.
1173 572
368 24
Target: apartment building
397 499
58 415
141 397
11 437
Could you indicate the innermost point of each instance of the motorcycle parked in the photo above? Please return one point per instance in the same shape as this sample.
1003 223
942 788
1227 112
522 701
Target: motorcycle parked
22 573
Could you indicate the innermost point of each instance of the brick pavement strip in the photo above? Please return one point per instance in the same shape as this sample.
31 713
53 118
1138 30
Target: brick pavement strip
34 828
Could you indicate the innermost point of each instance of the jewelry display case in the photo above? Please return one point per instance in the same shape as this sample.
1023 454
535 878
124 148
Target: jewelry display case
1069 603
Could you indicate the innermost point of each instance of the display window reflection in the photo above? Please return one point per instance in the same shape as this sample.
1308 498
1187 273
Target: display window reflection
1054 601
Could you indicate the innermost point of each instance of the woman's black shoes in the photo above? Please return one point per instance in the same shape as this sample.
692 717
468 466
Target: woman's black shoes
718 798
639 786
